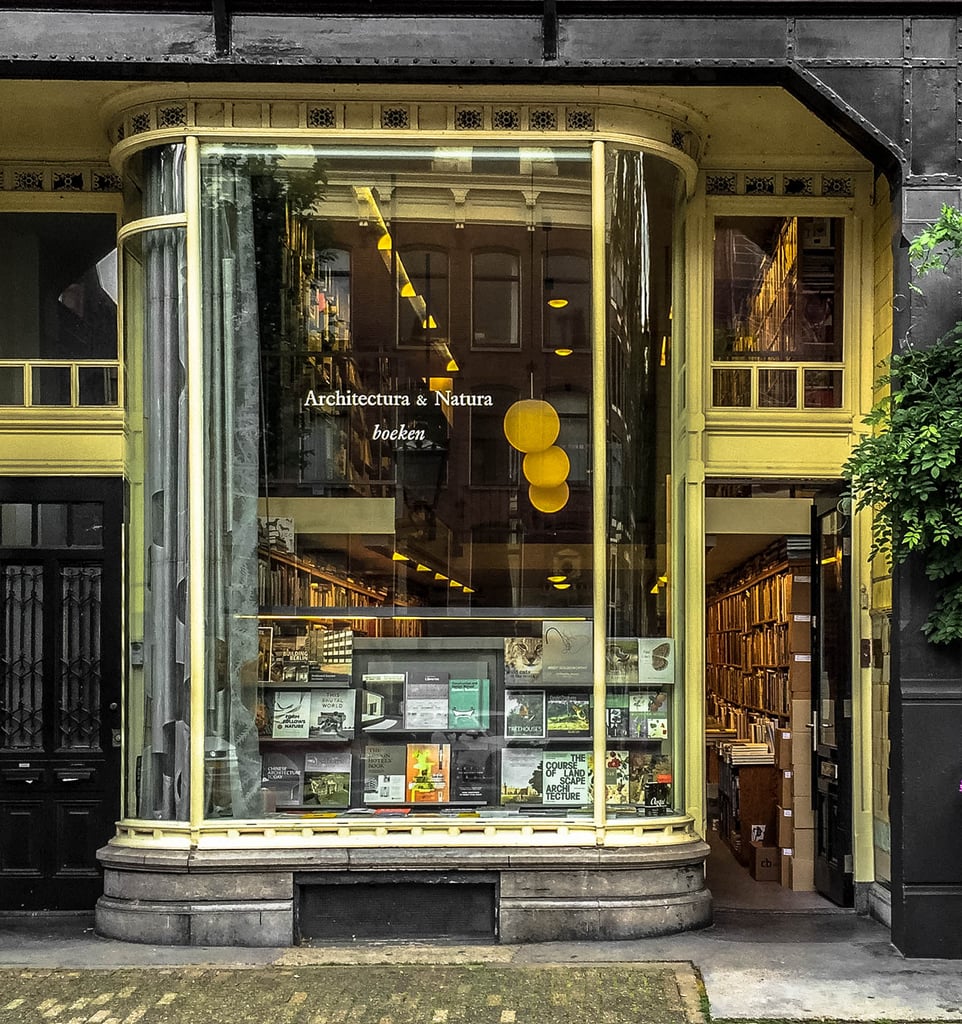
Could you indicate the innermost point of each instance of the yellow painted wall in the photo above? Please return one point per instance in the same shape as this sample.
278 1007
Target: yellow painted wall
881 596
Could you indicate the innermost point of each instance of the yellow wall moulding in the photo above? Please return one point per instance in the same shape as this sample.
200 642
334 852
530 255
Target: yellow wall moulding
300 833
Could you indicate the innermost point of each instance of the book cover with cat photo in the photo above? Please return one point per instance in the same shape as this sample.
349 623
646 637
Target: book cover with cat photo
522 660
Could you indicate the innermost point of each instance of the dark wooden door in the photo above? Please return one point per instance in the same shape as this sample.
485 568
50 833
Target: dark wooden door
60 688
832 707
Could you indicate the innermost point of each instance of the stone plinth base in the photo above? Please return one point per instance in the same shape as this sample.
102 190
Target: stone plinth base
250 897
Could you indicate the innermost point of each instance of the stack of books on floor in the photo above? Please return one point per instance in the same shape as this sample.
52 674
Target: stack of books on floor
748 753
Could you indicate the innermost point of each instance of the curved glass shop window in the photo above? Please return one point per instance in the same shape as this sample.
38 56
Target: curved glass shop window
400 536
778 312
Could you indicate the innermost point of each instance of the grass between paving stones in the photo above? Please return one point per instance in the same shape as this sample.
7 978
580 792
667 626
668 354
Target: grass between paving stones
355 994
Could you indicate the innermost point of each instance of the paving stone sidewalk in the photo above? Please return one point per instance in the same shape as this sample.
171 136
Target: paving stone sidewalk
360 993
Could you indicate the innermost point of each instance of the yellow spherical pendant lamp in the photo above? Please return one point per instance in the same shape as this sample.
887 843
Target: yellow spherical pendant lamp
531 425
548 499
547 469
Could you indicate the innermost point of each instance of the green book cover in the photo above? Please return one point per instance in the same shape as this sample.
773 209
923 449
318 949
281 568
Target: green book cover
466 704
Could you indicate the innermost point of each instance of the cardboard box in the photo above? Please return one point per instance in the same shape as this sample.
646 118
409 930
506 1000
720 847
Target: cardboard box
800 634
802 875
800 675
802 781
801 757
799 594
786 787
804 844
801 717
764 864
785 825
783 748
804 812
785 868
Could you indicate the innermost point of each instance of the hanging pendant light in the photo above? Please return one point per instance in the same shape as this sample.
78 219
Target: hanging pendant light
547 469
531 425
548 499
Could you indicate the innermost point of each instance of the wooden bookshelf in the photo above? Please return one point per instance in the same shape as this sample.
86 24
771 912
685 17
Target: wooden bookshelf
758 640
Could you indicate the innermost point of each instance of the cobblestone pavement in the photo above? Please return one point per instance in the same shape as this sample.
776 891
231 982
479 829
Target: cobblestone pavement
485 993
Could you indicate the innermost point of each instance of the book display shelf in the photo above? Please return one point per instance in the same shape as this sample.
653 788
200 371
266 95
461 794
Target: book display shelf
353 724
758 680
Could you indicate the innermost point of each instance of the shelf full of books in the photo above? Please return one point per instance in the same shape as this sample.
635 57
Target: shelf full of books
469 725
759 632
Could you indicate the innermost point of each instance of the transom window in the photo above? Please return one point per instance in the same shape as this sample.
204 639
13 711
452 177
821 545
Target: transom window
777 313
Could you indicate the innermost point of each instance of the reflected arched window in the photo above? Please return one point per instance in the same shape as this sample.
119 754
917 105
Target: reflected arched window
423 295
495 300
572 407
566 305
494 463
328 302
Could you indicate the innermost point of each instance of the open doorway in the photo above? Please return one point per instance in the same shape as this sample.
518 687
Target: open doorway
778 695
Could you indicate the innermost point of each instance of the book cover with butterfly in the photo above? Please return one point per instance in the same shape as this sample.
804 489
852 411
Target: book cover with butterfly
656 659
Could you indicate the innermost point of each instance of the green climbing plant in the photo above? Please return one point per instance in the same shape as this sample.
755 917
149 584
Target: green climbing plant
908 471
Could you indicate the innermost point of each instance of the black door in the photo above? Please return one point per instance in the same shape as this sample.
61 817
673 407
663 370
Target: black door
60 692
832 706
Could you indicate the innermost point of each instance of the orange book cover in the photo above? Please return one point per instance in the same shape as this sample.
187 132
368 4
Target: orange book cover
429 773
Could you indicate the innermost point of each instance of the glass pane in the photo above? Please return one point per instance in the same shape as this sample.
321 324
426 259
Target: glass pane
731 388
823 389
97 385
51 385
87 526
778 291
158 683
78 675
394 508
496 307
21 656
11 385
16 525
642 707
566 300
58 286
51 525
425 273
777 389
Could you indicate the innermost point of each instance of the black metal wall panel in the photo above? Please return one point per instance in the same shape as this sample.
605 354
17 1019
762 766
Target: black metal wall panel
405 39
46 35
652 39
933 133
848 38
877 90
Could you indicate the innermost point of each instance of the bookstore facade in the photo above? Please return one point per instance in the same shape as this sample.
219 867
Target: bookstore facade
434 493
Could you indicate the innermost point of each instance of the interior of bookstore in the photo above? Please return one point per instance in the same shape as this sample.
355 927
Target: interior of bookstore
778 695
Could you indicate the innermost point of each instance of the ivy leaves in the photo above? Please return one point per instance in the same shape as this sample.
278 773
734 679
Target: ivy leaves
909 470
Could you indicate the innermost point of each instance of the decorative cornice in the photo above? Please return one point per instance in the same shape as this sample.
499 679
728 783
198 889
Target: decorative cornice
60 177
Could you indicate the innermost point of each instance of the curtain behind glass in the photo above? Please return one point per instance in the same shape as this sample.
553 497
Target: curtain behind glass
232 407
164 787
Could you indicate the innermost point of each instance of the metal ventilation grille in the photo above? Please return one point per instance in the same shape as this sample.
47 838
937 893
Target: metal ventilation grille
172 117
321 117
580 121
543 120
395 117
468 118
798 185
721 185
759 185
